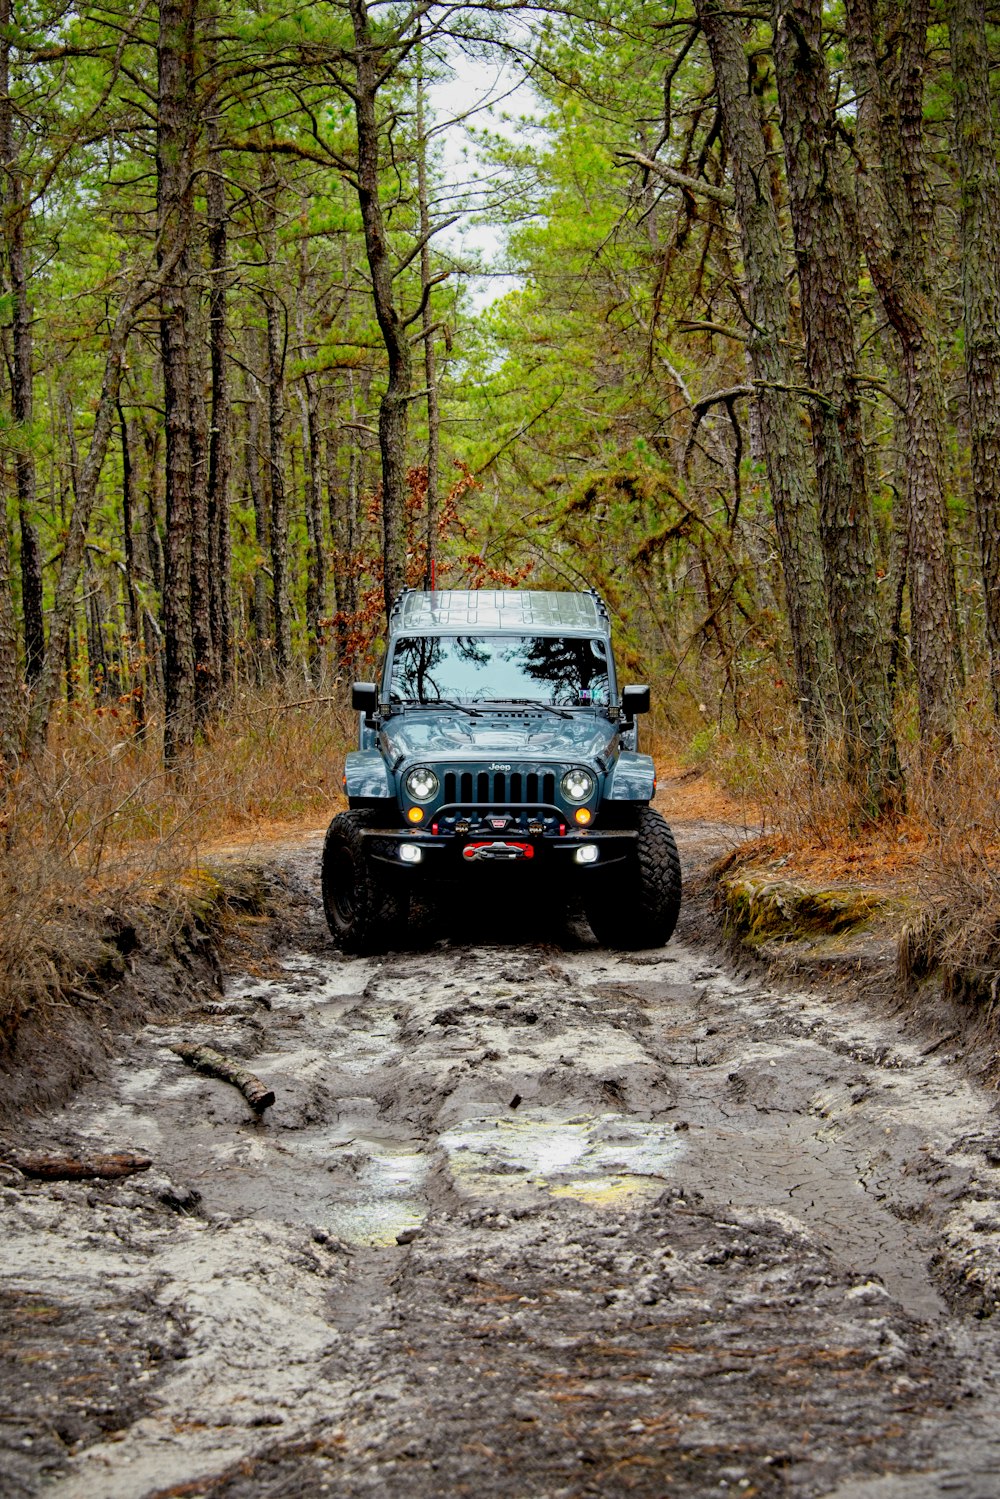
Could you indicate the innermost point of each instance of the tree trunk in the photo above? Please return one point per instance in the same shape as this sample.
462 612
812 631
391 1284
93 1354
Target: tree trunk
894 210
133 614
827 273
979 193
354 469
154 543
781 420
261 628
309 409
276 432
393 418
23 409
10 704
204 662
316 559
428 330
175 213
97 661
22 360
219 447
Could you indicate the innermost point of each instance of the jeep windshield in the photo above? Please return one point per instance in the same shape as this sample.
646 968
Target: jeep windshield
527 669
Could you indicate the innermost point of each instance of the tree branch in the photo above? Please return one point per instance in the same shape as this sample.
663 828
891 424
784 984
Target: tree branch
723 195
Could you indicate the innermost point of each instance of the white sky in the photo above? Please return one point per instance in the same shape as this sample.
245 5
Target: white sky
493 91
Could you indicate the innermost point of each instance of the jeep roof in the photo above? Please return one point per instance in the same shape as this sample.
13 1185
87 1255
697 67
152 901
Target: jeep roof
448 611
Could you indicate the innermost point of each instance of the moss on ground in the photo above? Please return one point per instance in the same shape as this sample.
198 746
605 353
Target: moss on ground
759 909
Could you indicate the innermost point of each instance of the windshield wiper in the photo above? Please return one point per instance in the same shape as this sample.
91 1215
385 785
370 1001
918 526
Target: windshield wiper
437 702
534 702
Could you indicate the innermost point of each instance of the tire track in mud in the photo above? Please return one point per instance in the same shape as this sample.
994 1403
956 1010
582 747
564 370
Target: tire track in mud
527 1219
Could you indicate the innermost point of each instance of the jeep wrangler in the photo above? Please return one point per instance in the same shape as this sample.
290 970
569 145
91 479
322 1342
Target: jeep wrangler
498 736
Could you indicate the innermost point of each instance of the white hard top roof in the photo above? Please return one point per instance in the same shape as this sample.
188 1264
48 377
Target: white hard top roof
450 610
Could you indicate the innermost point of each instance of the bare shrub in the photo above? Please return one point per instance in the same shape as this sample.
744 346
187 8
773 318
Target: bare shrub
95 827
959 934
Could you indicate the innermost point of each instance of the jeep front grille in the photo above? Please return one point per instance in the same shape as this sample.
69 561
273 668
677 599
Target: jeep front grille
495 788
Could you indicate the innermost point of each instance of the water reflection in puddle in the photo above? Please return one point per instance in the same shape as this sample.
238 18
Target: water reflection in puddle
597 1159
601 1160
388 1198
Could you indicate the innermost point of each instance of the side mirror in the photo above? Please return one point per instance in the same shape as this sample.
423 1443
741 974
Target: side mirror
635 700
364 697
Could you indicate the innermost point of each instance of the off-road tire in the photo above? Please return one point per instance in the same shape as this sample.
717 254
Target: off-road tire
362 911
641 908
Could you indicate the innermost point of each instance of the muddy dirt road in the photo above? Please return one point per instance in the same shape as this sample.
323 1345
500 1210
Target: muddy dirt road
530 1219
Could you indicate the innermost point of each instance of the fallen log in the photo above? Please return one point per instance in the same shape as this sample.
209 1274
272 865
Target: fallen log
257 1094
54 1166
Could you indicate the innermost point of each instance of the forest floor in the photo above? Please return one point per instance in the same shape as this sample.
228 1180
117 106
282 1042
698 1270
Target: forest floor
528 1217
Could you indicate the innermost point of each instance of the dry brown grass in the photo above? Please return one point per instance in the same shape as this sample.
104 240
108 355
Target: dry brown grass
95 829
941 854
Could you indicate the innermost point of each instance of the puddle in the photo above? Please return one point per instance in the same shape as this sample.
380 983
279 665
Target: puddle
608 1191
303 977
597 1159
388 1198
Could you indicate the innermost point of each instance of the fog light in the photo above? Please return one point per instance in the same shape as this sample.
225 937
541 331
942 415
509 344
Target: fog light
582 816
416 814
412 853
587 854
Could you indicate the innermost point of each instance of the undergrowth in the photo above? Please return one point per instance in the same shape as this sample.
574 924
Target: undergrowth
95 828
941 851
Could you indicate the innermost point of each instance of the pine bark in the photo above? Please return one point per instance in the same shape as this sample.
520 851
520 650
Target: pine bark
94 620
779 412
393 419
219 446
827 274
428 330
10 707
895 214
204 662
276 433
22 392
21 365
175 214
133 613
316 586
979 192
262 630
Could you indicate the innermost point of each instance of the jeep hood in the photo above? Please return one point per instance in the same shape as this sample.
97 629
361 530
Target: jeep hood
452 735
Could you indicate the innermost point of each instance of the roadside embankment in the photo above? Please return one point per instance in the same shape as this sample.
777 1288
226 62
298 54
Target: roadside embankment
123 960
925 942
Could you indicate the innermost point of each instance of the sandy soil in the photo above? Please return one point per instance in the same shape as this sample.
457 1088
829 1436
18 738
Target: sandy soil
529 1218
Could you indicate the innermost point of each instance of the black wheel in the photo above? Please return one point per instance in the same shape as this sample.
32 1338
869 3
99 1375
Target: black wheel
362 912
641 909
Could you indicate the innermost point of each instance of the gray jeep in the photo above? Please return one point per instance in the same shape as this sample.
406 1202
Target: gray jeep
499 744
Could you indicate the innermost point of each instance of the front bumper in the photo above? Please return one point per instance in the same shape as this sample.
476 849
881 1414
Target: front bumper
418 853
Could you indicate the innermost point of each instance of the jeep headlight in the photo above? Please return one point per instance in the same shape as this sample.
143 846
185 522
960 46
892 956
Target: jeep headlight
577 785
422 784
